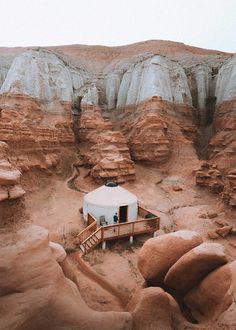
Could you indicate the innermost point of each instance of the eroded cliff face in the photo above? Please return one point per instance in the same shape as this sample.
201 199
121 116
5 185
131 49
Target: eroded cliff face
119 106
144 77
222 145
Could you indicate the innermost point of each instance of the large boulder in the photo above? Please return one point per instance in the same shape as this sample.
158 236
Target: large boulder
193 266
214 295
158 254
153 308
35 294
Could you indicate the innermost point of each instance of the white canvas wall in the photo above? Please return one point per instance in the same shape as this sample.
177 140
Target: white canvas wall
109 211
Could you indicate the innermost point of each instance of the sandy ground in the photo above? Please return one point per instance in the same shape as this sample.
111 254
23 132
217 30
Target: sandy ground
53 205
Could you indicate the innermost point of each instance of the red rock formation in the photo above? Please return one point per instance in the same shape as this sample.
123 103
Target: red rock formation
10 187
194 266
152 125
214 295
35 294
35 137
158 254
149 141
209 176
222 146
197 274
92 123
153 308
229 192
218 182
106 150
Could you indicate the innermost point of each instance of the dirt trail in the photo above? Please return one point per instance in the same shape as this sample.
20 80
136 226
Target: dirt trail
70 183
98 279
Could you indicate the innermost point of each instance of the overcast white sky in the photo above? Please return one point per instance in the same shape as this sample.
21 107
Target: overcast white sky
203 23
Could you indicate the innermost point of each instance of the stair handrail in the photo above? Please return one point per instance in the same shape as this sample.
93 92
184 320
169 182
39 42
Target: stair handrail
87 230
93 234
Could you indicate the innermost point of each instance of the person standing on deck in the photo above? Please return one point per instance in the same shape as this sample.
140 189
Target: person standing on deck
115 218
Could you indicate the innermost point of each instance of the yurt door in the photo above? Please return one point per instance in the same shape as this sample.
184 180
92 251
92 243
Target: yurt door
123 213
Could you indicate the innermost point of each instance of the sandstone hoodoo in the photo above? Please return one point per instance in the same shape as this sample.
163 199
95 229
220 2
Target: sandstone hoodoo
155 120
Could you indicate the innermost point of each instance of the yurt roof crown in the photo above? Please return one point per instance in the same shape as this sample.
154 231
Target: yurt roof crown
110 194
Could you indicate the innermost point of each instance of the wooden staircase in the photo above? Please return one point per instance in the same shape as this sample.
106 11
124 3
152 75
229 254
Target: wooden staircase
92 241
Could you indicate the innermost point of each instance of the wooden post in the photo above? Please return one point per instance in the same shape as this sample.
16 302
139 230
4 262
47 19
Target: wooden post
104 245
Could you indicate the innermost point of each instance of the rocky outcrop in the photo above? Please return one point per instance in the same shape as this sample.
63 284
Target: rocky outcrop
199 278
215 295
194 266
35 294
153 308
209 176
10 187
229 192
35 140
110 158
220 182
149 141
105 150
158 254
114 168
12 208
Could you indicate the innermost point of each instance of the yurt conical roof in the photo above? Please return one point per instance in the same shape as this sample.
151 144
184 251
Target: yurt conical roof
110 195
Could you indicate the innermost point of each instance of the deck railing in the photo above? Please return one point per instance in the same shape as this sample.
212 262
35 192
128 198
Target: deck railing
130 228
142 212
92 235
110 232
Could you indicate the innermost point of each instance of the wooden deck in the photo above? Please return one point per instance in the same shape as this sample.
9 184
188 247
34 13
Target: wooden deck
93 235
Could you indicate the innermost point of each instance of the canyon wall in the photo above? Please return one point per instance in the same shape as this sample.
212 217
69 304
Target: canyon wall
222 146
117 105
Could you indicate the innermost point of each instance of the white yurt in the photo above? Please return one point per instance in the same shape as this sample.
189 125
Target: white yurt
110 199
